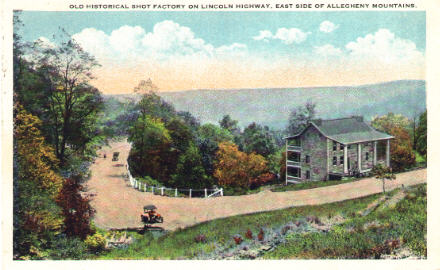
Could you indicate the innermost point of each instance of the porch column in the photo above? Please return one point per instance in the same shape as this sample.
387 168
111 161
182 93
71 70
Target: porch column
388 153
359 157
375 153
345 159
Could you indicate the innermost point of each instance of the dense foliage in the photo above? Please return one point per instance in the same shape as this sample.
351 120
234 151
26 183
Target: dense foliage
173 148
55 135
402 152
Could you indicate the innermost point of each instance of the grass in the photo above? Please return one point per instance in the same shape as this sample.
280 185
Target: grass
313 184
365 237
407 221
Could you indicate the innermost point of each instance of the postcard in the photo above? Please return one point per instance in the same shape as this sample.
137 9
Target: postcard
288 133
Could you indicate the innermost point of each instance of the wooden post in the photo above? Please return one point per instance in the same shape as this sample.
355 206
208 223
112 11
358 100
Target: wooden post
175 193
359 157
190 193
152 190
206 193
161 192
221 192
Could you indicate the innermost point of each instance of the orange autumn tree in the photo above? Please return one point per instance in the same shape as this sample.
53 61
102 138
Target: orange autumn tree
234 168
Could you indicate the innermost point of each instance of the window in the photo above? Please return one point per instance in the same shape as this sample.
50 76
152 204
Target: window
341 160
294 172
307 159
335 161
334 146
341 147
349 146
366 155
307 174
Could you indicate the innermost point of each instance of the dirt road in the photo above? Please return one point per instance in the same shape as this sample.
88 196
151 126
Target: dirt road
118 205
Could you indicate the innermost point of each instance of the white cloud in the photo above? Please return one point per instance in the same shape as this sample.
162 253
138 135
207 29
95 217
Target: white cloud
168 39
328 27
384 46
286 35
263 35
292 35
328 50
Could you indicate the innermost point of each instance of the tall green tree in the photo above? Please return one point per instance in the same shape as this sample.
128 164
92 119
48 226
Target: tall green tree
72 104
190 171
300 116
229 124
258 139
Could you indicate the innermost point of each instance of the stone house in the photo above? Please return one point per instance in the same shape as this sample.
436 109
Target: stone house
331 149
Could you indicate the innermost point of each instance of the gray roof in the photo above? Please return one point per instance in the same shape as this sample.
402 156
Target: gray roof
347 130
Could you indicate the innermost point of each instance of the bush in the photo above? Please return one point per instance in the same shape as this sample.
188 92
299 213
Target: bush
238 239
262 180
201 238
248 234
96 242
149 181
71 248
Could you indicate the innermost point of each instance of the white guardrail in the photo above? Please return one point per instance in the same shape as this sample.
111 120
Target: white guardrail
206 193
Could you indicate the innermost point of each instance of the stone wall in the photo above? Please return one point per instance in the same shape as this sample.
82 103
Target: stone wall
313 144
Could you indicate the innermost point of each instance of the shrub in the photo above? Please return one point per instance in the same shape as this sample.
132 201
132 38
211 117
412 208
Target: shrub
201 238
248 234
262 180
238 239
261 235
71 248
96 242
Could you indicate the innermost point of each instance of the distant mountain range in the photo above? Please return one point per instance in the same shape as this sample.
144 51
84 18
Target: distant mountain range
271 106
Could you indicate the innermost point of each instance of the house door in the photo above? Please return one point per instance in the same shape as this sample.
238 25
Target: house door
348 163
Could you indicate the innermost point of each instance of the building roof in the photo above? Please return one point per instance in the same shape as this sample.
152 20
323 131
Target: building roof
346 130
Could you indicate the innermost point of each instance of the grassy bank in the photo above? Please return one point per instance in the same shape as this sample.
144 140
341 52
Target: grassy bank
353 237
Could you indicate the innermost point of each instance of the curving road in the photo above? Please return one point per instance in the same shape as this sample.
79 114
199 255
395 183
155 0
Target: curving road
118 205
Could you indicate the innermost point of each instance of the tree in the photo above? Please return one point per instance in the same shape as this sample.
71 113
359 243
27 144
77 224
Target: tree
401 151
190 171
153 105
386 123
383 173
36 185
72 104
76 209
258 139
300 117
189 120
237 169
207 140
181 135
150 153
422 132
229 124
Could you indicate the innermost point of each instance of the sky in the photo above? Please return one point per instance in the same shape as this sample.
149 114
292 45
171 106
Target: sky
221 50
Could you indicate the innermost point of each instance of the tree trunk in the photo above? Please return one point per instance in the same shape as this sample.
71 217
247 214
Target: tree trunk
383 185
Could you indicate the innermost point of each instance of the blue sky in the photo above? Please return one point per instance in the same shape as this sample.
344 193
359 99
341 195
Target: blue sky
257 35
